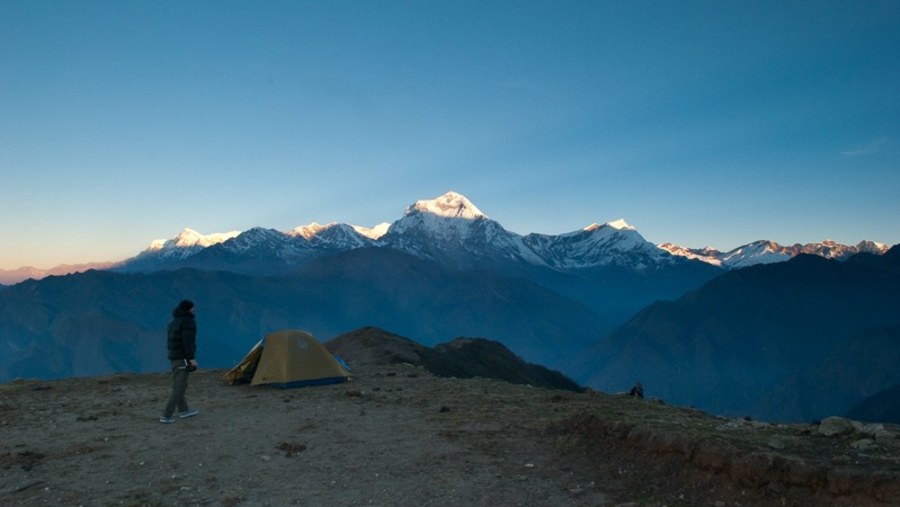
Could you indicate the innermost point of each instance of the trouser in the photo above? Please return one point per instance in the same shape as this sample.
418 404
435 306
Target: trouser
179 386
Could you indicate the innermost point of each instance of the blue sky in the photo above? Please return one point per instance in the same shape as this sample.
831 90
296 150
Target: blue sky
700 123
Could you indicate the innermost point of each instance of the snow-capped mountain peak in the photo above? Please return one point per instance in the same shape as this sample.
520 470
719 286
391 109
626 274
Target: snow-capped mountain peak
314 229
185 244
449 205
613 243
311 230
450 217
190 238
374 232
451 228
619 224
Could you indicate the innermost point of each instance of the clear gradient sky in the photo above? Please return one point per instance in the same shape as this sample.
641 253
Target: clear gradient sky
700 123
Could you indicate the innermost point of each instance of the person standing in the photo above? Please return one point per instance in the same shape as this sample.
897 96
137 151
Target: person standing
182 345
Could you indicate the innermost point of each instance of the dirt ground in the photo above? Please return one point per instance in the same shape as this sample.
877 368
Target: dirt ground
399 436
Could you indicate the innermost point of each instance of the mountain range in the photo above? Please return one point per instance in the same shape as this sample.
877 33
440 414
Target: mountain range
12 276
602 305
768 252
448 229
450 219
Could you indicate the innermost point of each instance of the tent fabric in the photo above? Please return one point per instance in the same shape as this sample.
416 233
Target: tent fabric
288 358
243 372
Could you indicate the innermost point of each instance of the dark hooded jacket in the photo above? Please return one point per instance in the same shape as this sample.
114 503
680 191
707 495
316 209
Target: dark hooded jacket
182 335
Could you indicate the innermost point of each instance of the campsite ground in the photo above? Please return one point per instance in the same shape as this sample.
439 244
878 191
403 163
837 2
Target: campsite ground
397 435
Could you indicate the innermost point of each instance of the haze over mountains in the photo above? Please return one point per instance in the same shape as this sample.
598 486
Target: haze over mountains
601 304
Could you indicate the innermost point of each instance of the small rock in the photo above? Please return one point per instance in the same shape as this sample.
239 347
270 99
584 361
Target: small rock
719 503
836 426
730 425
861 444
444 409
354 393
871 429
884 435
291 448
776 444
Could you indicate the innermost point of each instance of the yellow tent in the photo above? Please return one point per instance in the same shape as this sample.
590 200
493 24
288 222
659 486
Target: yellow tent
288 358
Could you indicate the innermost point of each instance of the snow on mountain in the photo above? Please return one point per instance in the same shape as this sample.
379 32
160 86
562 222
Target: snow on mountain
314 230
833 250
189 237
619 224
767 252
375 232
449 205
757 252
873 247
332 236
186 243
260 241
707 254
337 235
448 216
309 231
448 228
256 251
300 244
613 243
452 229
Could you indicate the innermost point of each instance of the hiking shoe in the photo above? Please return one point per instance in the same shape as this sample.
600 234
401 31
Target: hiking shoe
166 420
189 413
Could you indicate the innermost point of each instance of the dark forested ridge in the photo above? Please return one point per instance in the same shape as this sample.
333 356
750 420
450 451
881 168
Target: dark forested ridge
750 342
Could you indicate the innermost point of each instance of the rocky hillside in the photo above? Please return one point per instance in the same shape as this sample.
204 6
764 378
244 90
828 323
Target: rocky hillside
398 435
462 357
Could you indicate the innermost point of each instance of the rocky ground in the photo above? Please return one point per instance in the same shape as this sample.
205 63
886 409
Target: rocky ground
397 435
